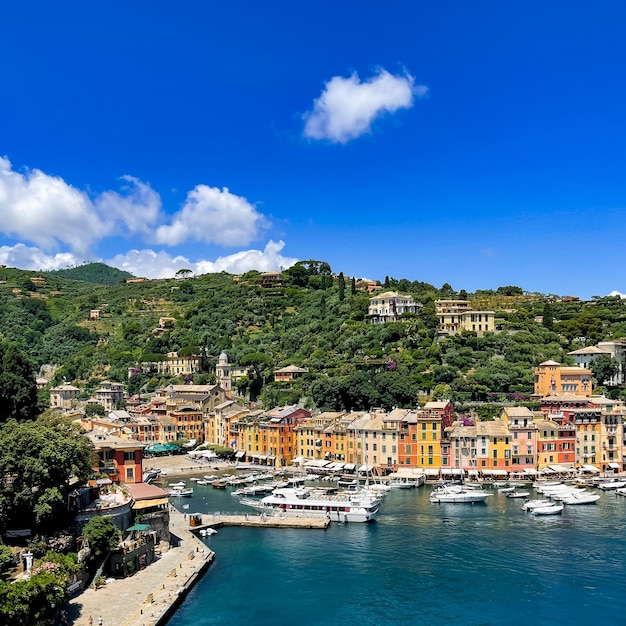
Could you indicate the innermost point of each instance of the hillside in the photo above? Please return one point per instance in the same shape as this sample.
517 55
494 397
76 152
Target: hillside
96 273
352 364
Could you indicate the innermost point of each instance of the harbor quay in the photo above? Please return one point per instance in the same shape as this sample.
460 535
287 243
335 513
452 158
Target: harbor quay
200 523
149 596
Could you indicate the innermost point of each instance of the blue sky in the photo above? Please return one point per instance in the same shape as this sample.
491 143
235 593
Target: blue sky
475 143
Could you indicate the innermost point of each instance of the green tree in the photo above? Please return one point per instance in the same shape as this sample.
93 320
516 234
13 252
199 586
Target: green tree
38 460
258 364
102 536
604 368
342 287
353 286
548 316
18 388
7 561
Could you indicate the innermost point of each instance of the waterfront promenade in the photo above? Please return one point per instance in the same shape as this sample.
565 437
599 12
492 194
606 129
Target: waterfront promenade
147 597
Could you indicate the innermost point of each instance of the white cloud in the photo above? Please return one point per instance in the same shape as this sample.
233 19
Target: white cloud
28 258
46 210
152 264
347 106
137 210
614 293
214 216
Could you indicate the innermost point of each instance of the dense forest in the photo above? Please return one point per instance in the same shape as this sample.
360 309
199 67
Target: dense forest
315 319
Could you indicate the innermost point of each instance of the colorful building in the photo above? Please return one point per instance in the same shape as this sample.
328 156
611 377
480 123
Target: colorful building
551 378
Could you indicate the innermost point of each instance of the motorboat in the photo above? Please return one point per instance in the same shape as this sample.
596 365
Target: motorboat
506 490
621 491
610 485
357 506
184 492
580 498
529 505
553 508
518 494
206 532
457 494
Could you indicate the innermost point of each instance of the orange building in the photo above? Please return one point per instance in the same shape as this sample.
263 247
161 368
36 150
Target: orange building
551 379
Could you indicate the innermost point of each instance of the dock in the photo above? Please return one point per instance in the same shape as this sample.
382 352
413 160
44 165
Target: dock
151 595
200 522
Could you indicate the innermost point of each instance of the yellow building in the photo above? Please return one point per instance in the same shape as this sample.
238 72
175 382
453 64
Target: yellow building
319 438
457 315
547 443
551 378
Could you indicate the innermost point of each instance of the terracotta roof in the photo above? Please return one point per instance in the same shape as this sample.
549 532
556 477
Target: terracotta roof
145 491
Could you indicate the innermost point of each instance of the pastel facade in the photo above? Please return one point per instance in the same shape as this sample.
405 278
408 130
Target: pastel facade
457 315
268 438
120 459
289 373
521 423
64 396
176 365
390 306
551 378
584 357
110 395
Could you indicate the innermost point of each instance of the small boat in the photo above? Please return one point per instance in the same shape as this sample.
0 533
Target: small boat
184 492
550 509
218 484
206 532
499 483
621 491
610 485
580 498
506 489
457 494
518 494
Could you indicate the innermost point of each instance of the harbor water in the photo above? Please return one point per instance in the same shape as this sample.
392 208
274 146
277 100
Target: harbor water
418 563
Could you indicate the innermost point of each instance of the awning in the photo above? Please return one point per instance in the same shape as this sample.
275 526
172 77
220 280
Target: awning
349 467
138 527
615 466
431 472
530 470
589 468
560 469
472 472
103 481
447 472
240 453
146 504
298 459
365 468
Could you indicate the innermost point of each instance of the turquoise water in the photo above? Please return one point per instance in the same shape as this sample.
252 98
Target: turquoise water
418 563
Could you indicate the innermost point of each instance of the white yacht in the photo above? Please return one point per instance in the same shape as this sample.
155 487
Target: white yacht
355 506
457 494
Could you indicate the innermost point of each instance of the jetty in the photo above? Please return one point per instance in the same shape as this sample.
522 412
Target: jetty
199 522
150 596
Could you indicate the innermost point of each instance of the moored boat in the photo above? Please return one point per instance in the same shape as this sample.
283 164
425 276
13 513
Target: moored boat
518 494
610 485
553 508
580 498
307 502
457 494
185 492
